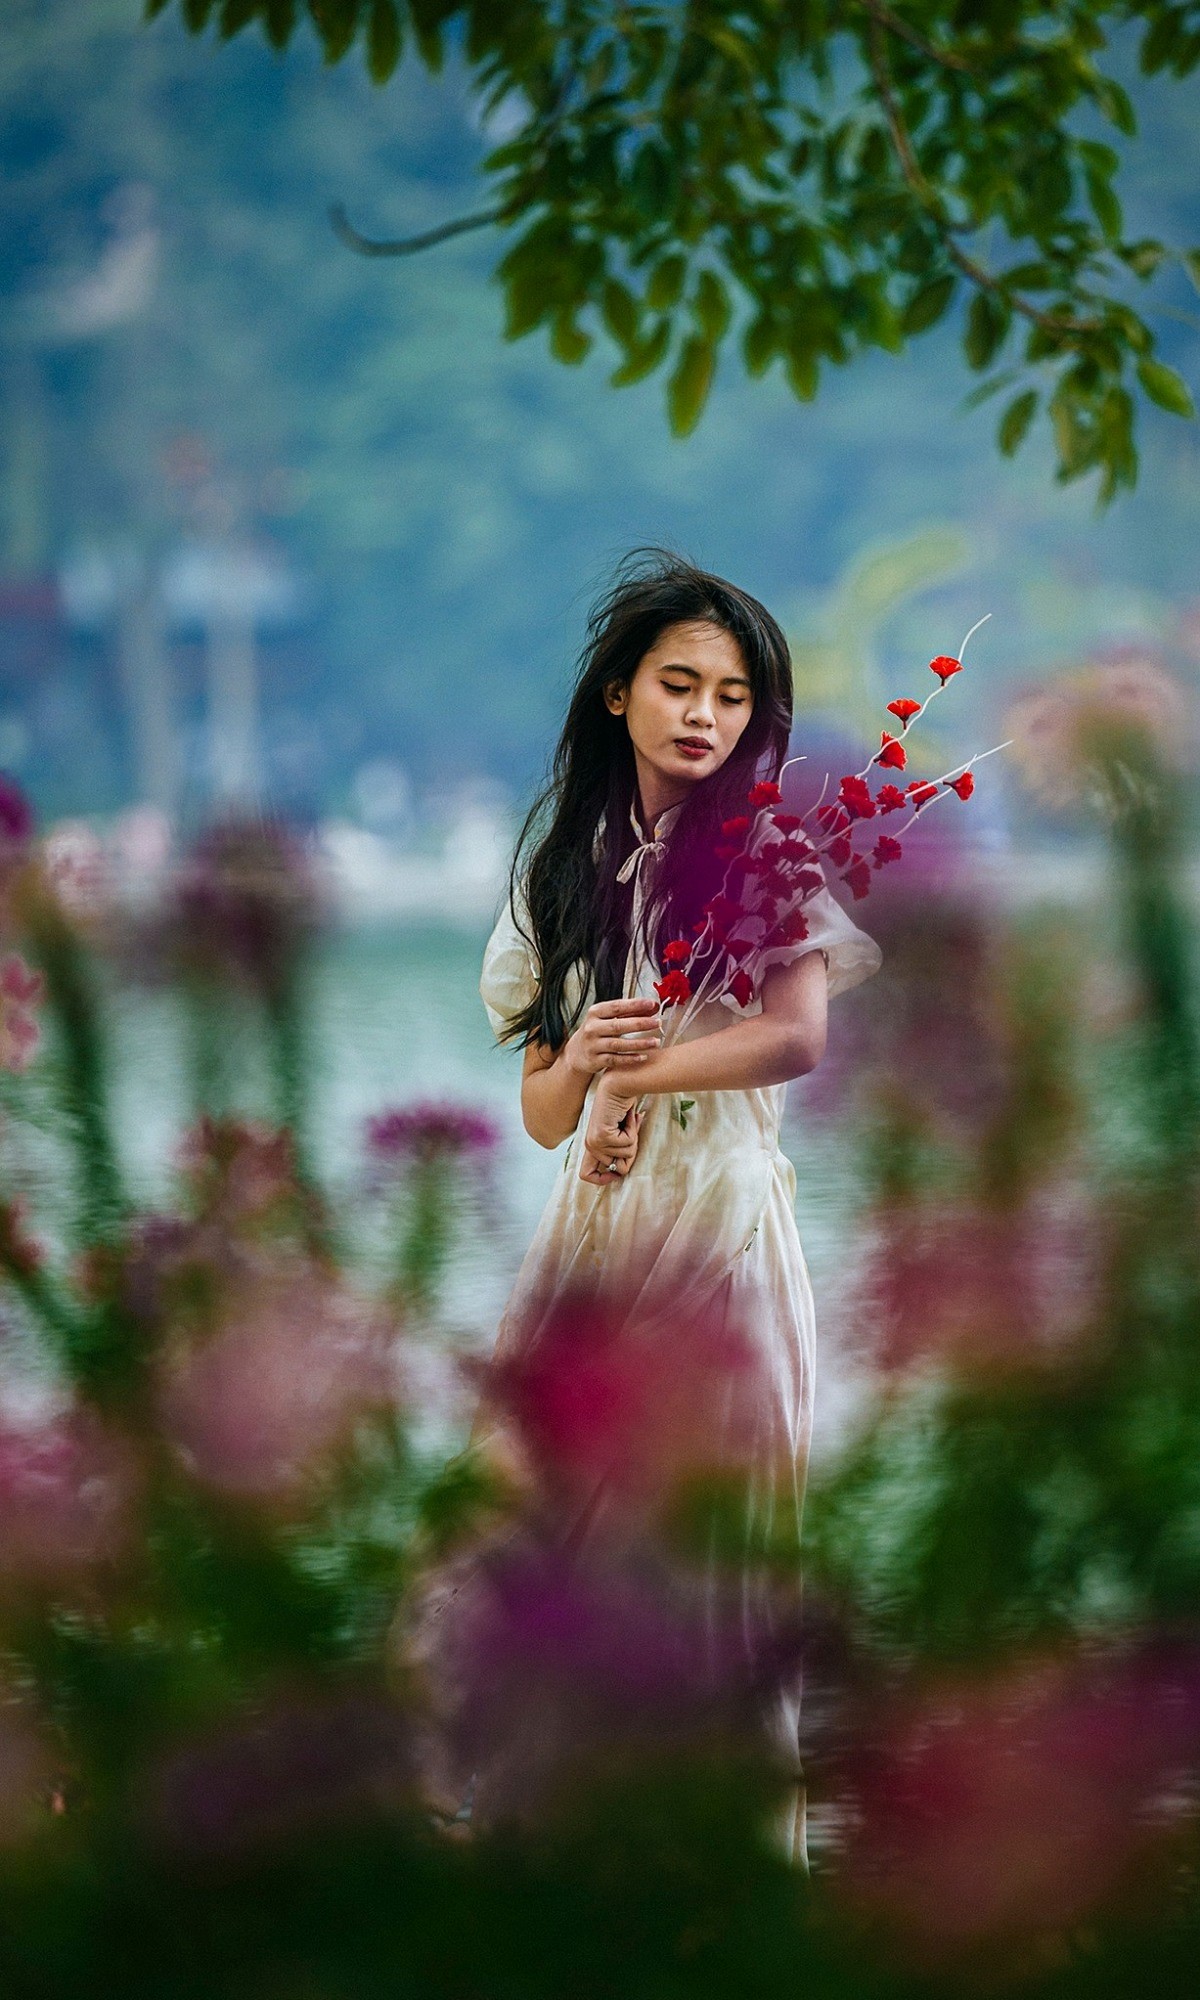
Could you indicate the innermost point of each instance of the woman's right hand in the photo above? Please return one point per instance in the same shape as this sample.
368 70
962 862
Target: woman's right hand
614 1034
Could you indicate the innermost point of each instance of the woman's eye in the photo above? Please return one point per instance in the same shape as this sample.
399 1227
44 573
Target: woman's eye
672 689
733 701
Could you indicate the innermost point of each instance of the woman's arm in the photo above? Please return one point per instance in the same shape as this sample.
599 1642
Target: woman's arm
613 1035
786 1040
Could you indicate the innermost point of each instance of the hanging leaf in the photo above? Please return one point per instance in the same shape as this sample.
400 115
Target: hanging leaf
803 373
711 307
987 323
279 19
691 380
235 15
644 358
760 344
383 39
928 303
1166 388
620 311
666 283
568 341
1016 421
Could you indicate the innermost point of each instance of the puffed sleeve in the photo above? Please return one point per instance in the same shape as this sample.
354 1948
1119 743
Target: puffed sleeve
509 977
850 955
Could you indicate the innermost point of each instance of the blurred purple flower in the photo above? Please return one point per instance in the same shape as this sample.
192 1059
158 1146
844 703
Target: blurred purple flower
16 814
429 1131
246 902
536 1665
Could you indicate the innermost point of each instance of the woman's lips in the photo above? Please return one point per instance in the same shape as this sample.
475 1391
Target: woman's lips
692 746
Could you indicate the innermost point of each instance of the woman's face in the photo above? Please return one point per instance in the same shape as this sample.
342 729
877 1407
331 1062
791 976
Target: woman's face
686 706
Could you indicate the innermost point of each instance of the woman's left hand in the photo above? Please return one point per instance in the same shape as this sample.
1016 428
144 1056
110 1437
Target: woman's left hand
611 1141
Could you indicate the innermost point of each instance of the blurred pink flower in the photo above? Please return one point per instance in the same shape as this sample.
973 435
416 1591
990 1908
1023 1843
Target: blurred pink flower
593 1400
992 1811
67 1492
1063 732
20 990
240 1172
77 869
980 1287
260 1405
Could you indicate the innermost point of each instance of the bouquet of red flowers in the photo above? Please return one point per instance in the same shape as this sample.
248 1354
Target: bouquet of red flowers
774 858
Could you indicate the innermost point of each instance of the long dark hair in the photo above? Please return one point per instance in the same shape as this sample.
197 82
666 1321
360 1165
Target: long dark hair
579 914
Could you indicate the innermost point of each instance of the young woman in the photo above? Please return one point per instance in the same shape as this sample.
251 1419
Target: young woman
675 1196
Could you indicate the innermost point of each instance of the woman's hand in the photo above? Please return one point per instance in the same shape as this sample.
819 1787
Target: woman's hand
614 1034
610 1143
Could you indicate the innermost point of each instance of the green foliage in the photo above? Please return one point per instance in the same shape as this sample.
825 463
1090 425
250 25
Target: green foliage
820 217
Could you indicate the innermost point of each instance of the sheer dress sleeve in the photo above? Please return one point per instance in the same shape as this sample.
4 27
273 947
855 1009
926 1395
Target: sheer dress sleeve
850 955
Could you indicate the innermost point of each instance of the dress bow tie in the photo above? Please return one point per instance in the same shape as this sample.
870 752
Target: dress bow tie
654 845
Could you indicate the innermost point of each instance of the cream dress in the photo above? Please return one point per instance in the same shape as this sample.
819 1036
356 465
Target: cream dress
711 1194
706 1215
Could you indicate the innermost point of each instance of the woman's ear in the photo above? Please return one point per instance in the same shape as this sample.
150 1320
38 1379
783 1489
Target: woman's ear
615 695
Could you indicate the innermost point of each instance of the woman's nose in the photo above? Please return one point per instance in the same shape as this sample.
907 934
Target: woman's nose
700 710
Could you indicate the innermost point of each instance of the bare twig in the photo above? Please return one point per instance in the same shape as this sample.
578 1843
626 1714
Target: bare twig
886 19
407 246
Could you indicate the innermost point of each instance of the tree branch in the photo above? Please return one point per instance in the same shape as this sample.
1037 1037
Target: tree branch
407 246
886 19
930 200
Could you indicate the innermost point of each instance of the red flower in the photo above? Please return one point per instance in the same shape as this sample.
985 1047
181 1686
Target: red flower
919 795
886 849
673 989
892 754
788 853
786 822
727 850
904 709
858 877
792 930
944 666
964 784
723 911
810 881
833 818
839 852
768 910
737 947
765 793
733 828
677 952
855 795
890 798
742 987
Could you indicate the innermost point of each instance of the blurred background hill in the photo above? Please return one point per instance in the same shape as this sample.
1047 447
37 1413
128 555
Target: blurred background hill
361 530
